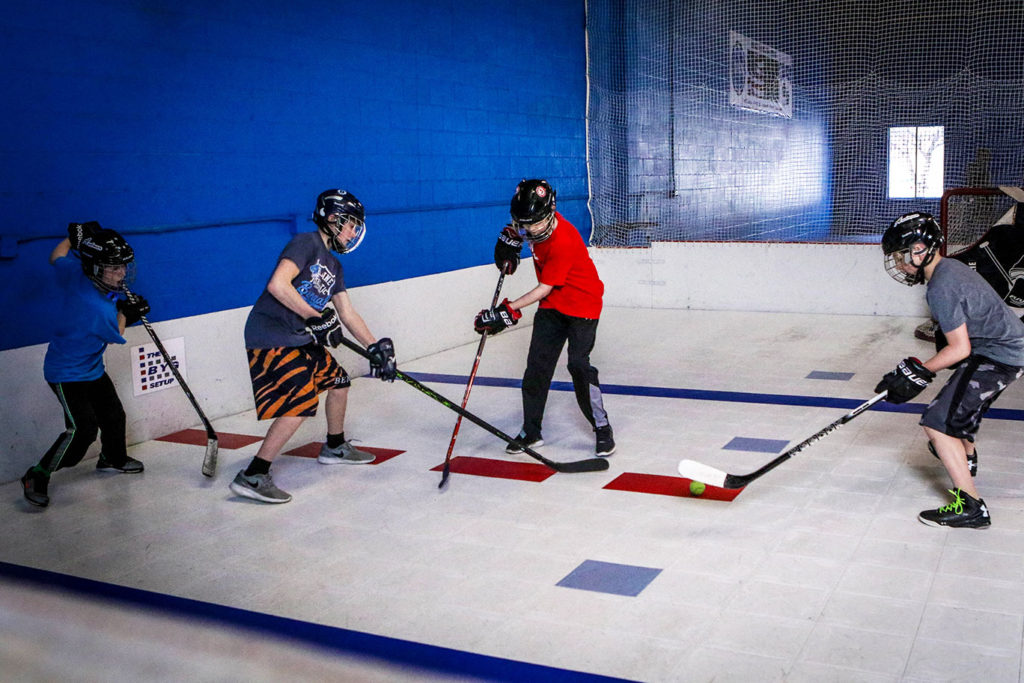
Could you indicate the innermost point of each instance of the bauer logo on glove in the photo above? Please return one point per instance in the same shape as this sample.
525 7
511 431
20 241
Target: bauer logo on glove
506 250
908 380
497 319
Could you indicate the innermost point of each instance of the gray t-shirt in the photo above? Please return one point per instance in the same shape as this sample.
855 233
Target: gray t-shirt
957 295
271 324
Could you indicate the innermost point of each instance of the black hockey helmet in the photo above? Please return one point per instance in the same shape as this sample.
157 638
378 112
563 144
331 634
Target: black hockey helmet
899 240
533 202
348 209
102 248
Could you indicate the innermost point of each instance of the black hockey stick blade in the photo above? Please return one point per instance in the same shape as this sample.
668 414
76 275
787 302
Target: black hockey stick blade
447 469
210 458
588 465
705 474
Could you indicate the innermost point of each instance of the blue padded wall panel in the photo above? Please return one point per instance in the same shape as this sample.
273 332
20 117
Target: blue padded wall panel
168 114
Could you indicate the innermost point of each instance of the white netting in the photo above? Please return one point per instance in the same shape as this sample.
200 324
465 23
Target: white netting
769 120
968 213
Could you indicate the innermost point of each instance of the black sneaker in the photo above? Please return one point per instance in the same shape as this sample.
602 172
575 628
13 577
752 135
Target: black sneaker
964 511
129 466
605 441
34 485
523 440
972 459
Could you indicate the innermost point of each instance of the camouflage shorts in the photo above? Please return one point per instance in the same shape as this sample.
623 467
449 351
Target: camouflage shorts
975 385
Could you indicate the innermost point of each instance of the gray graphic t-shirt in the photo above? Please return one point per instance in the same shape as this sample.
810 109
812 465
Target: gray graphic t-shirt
958 295
271 324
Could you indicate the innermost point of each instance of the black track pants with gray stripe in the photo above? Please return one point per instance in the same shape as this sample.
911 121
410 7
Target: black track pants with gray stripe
551 331
89 408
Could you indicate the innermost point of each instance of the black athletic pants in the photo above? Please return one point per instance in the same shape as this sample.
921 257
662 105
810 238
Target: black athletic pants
551 330
89 407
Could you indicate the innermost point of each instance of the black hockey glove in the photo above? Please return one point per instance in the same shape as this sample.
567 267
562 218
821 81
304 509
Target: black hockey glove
382 359
905 382
497 319
326 329
133 308
506 251
79 231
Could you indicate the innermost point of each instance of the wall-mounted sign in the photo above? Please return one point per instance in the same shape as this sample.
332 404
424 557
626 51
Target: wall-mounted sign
759 77
149 369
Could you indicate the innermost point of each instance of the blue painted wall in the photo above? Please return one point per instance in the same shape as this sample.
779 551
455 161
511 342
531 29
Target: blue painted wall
157 118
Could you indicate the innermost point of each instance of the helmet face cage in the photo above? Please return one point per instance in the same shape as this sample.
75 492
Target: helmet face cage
107 250
349 210
899 240
533 203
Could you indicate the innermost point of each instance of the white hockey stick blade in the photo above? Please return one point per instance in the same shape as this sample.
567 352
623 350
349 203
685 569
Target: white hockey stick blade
698 471
210 459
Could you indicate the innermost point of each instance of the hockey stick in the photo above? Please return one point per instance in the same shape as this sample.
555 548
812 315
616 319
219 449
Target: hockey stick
469 387
210 459
588 465
705 474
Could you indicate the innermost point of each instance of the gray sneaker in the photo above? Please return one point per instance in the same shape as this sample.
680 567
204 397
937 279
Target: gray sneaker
345 453
258 487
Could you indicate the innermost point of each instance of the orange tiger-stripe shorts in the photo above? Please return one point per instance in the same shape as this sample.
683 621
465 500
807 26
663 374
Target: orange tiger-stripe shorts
288 380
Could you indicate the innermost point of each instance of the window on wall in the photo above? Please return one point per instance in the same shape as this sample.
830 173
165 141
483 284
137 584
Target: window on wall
916 157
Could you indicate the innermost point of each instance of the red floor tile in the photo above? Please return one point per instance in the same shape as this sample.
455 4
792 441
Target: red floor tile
197 437
499 469
667 486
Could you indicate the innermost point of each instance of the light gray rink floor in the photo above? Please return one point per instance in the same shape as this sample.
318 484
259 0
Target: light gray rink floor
819 571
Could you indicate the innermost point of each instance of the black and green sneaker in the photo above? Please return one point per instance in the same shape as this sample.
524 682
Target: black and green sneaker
34 485
972 459
129 466
964 511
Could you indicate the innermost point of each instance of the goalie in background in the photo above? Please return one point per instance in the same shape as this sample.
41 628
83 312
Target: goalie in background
985 350
93 267
285 335
569 293
999 258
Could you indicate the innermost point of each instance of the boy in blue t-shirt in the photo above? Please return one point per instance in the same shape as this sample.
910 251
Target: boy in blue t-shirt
984 346
91 265
285 335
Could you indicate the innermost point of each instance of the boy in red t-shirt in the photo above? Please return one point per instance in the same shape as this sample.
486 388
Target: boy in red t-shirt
569 291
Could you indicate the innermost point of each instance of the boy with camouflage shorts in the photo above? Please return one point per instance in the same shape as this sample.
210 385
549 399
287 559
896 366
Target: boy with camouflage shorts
982 341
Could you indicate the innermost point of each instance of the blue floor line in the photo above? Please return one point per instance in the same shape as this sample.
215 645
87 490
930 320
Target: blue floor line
392 650
709 395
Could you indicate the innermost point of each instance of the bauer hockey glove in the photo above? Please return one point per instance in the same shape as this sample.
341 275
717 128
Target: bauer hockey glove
905 382
497 319
133 309
326 329
382 359
506 250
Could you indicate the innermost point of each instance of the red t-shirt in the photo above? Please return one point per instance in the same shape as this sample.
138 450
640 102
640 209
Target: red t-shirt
563 262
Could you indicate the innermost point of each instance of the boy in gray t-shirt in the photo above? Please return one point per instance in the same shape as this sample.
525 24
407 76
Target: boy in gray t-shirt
285 335
984 343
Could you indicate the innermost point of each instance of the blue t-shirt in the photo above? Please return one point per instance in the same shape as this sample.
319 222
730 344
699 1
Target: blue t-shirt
86 323
271 324
957 295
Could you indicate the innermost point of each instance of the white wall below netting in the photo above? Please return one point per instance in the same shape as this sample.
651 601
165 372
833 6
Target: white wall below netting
429 314
747 276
